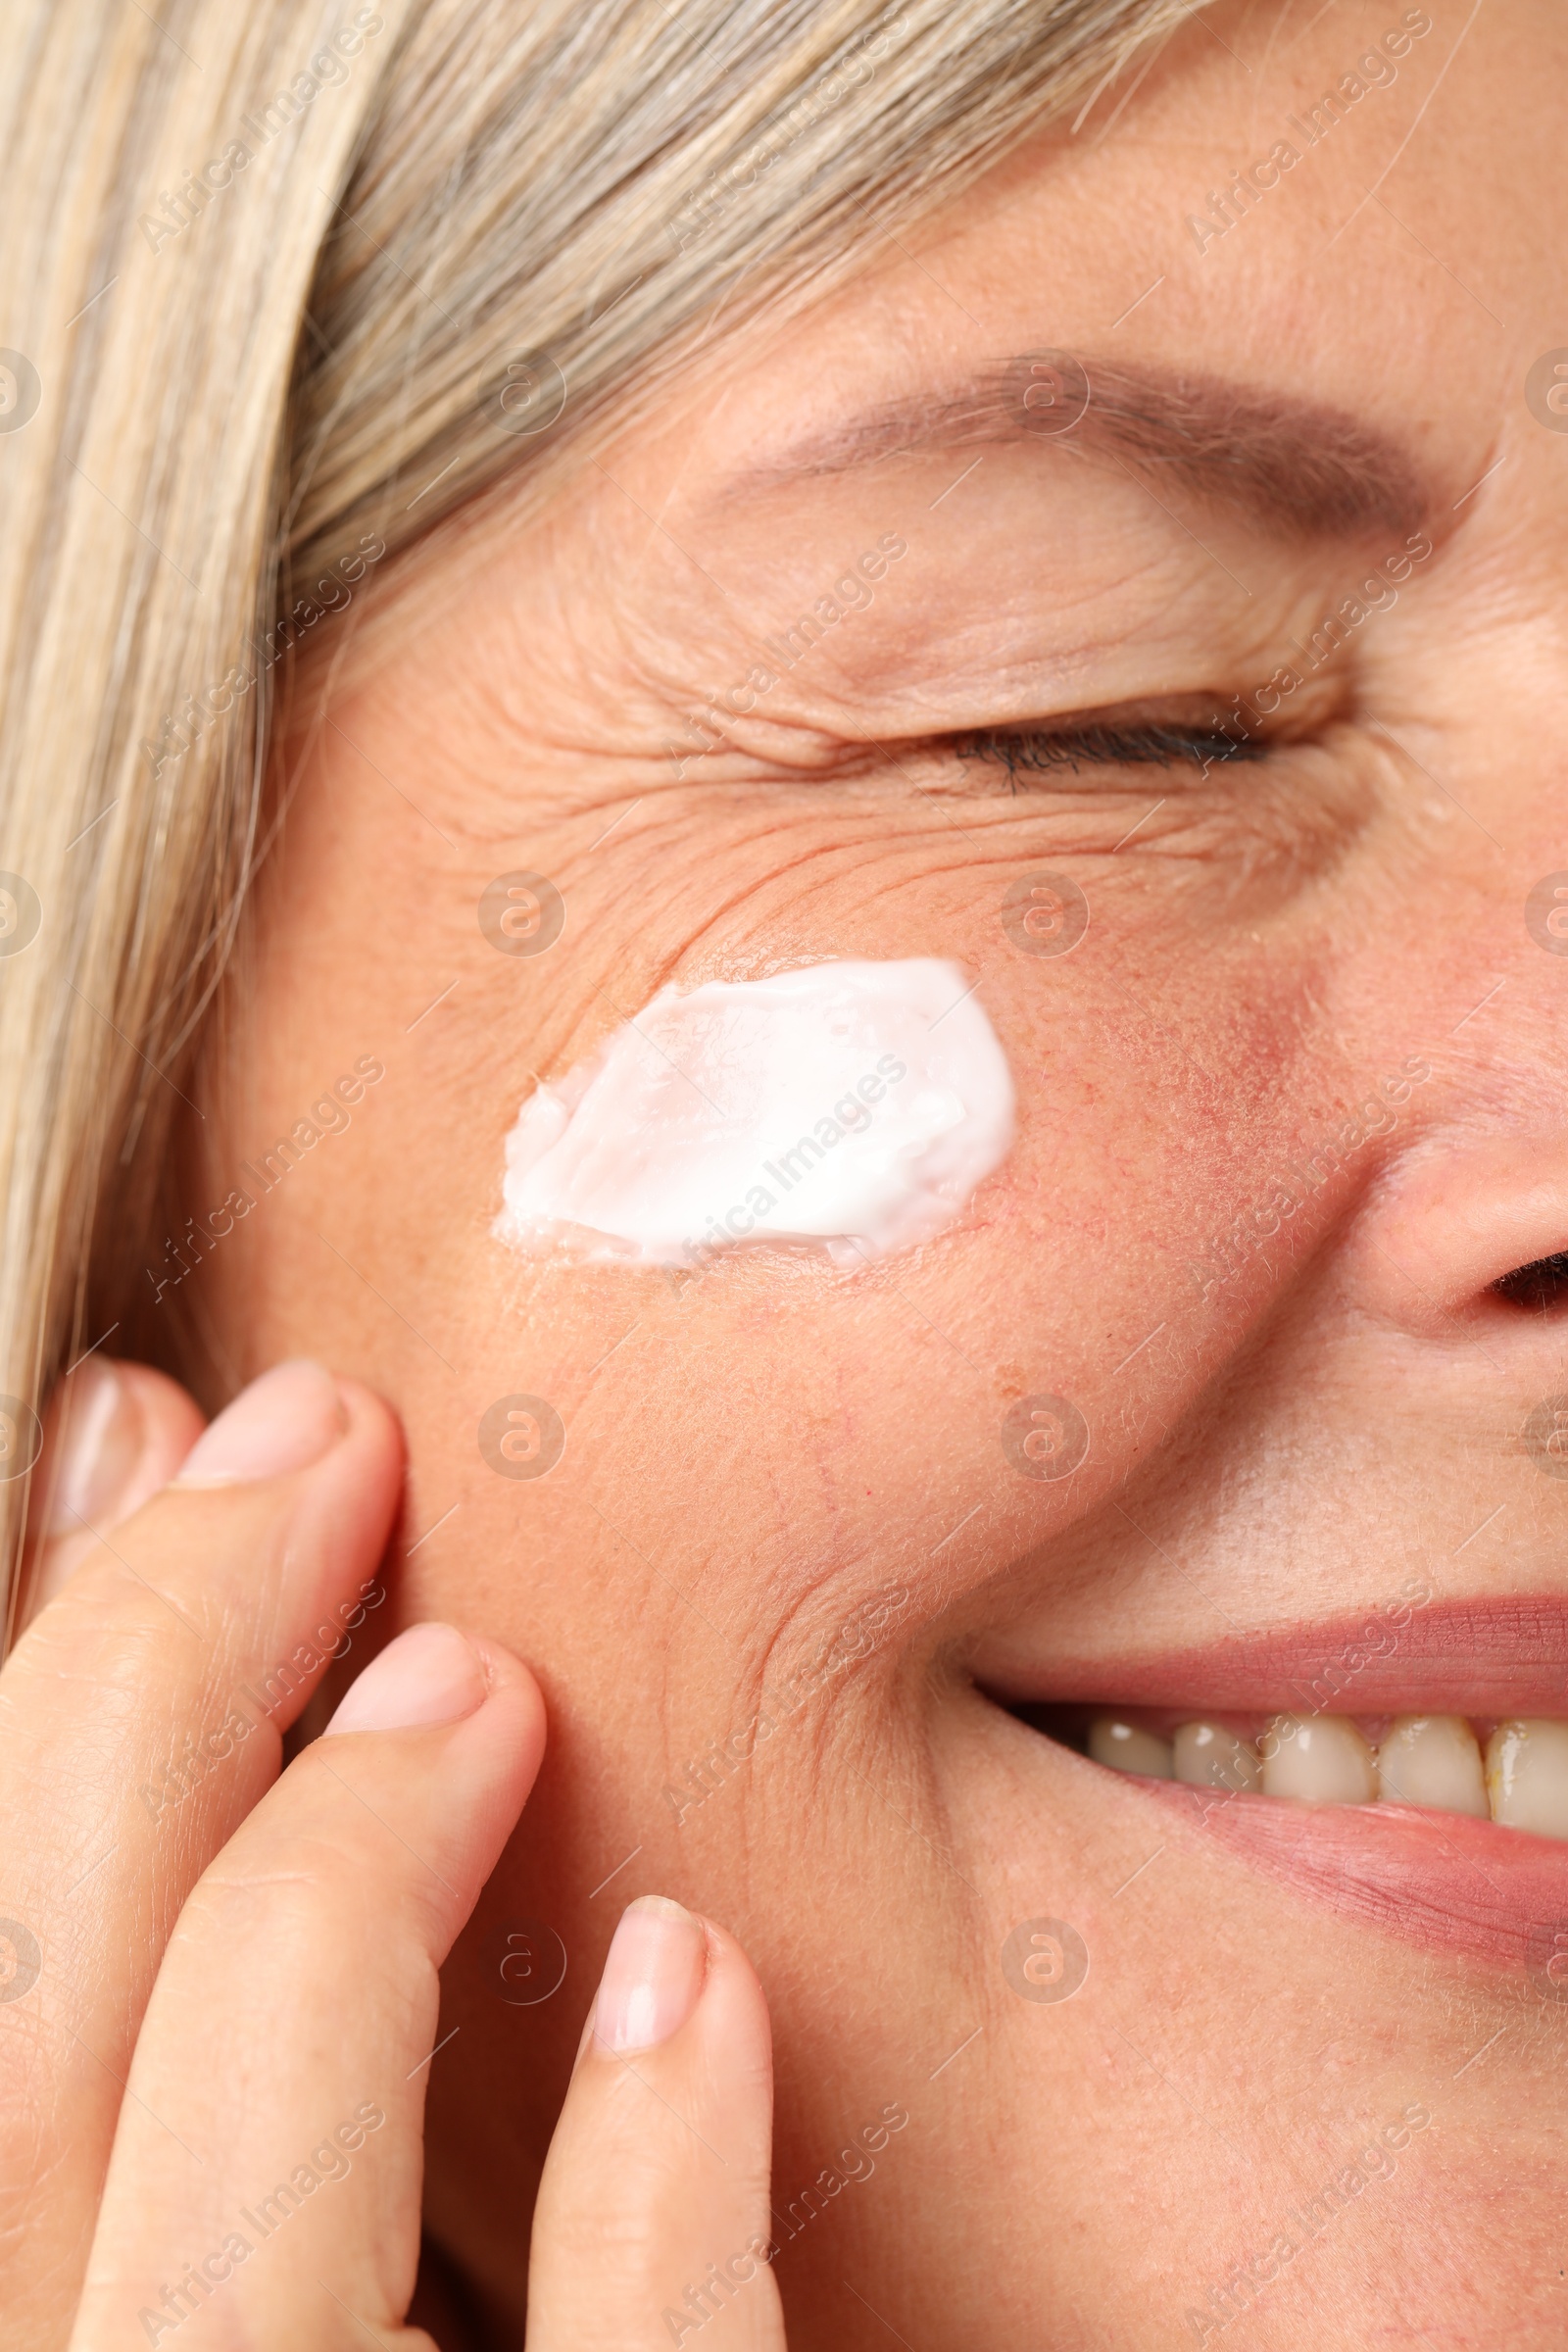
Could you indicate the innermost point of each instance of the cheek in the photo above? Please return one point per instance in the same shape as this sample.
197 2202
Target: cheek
797 1442
604 1458
786 1437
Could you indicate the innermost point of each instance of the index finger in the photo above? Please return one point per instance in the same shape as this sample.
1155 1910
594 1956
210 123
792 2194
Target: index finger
141 1717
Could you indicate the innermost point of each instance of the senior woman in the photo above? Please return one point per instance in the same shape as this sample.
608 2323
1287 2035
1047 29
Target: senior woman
784 917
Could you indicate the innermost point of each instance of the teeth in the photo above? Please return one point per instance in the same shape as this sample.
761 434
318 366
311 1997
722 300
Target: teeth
1433 1760
1128 1747
1427 1760
1322 1758
1526 1776
1209 1756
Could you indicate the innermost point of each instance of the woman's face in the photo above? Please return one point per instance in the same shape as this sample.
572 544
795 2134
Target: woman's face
1289 1109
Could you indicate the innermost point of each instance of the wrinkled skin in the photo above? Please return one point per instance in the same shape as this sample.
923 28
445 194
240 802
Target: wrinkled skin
1284 1427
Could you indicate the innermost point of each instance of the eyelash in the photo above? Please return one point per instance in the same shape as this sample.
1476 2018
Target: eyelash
1154 745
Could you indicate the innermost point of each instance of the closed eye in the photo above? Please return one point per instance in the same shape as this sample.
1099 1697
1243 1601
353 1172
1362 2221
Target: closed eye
1026 751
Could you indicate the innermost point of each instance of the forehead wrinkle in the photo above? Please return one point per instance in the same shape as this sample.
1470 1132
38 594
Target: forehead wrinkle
1302 469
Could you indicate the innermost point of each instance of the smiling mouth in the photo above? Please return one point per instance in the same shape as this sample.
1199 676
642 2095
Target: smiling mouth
1411 1774
1513 1771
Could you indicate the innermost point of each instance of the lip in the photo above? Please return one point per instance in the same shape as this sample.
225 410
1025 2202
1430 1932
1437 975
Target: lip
1480 1658
1441 1881
1437 1880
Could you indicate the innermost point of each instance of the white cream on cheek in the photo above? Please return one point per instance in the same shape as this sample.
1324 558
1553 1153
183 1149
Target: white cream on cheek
852 1105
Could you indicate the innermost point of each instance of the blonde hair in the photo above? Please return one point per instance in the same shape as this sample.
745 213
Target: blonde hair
289 283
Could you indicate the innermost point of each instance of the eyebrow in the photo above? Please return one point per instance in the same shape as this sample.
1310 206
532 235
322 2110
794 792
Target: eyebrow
1301 468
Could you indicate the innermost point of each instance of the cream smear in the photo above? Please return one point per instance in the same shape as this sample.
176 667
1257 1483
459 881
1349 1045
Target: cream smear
852 1105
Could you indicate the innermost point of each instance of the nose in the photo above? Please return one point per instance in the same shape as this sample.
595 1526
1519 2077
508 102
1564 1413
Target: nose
1469 1233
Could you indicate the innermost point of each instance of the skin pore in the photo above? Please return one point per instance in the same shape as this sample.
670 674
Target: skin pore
784 1489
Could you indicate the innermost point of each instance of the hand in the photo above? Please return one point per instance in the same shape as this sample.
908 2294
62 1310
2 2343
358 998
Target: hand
219 1981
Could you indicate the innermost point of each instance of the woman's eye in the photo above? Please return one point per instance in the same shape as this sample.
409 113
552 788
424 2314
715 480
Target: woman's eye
1027 751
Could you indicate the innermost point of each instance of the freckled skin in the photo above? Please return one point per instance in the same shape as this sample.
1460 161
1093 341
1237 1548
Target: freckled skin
784 1496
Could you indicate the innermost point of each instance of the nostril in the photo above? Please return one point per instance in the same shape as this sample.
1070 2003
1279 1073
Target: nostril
1540 1285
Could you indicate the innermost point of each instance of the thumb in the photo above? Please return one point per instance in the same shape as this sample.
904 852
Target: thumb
651 2227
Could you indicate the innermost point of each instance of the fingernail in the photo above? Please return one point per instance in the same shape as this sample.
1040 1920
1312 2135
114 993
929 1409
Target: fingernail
652 1974
102 1434
428 1674
285 1421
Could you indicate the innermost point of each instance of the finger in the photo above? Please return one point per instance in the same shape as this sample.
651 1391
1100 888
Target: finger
266 2169
141 1717
653 2224
114 1434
